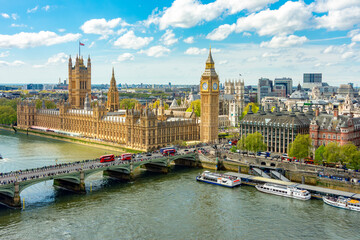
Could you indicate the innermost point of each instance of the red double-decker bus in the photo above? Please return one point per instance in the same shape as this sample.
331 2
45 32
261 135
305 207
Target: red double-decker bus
107 158
169 152
126 156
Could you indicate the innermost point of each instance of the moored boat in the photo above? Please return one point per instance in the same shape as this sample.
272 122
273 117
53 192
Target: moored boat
1 157
219 179
343 202
285 191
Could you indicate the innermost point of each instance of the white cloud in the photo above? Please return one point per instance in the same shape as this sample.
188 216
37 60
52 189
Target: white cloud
221 32
339 49
195 51
54 60
284 41
42 38
198 51
126 57
189 13
130 41
290 17
223 62
102 27
46 8
32 10
340 19
4 54
270 55
5 15
18 25
14 16
156 51
246 34
168 38
328 5
15 63
348 55
61 29
189 40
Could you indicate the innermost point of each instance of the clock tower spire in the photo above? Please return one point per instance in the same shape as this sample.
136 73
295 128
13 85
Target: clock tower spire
209 92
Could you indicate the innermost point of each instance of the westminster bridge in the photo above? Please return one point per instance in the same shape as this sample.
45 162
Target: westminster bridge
71 176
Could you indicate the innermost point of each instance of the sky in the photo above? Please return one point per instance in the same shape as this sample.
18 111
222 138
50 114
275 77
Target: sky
162 41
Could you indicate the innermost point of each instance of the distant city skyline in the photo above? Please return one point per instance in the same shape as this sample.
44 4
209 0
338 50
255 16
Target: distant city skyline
160 42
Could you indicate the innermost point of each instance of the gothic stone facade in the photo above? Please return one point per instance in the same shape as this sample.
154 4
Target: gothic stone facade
142 129
209 93
138 129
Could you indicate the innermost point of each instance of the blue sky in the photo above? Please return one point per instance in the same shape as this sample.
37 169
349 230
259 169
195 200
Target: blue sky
167 41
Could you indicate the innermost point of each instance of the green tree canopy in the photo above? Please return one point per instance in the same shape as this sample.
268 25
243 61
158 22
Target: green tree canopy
254 142
233 149
157 104
7 102
197 107
254 108
300 147
48 104
319 154
332 153
242 143
128 103
7 115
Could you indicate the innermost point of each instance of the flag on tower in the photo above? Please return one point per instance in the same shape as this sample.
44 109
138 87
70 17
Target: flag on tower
82 44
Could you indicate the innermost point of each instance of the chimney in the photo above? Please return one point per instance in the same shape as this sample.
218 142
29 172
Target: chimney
316 112
336 112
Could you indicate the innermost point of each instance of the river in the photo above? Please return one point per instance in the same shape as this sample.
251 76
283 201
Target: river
154 206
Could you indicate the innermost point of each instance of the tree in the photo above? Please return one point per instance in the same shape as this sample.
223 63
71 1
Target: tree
241 143
157 104
233 149
319 154
354 161
7 102
332 153
197 107
347 152
254 108
254 142
48 104
300 147
7 115
128 103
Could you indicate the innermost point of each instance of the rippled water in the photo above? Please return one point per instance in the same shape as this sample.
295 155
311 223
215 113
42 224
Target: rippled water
155 206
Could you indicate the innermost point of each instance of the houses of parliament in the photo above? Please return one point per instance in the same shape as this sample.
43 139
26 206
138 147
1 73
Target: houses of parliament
140 128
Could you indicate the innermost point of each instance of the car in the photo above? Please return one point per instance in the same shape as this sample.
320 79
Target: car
148 154
186 150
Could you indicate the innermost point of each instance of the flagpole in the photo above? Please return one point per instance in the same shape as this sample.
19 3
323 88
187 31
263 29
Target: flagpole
79 49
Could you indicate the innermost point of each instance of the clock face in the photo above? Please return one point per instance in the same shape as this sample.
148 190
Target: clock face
215 86
204 86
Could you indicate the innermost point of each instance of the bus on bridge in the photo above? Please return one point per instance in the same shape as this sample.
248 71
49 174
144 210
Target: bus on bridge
107 158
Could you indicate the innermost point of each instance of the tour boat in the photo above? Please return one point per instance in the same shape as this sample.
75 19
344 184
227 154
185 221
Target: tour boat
219 179
342 202
1 157
285 191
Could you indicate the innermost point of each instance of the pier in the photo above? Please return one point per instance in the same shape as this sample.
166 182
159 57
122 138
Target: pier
316 192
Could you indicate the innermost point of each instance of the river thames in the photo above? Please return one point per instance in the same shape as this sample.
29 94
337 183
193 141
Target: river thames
154 206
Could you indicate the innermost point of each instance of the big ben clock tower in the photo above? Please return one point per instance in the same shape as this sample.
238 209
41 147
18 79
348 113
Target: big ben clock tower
209 92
